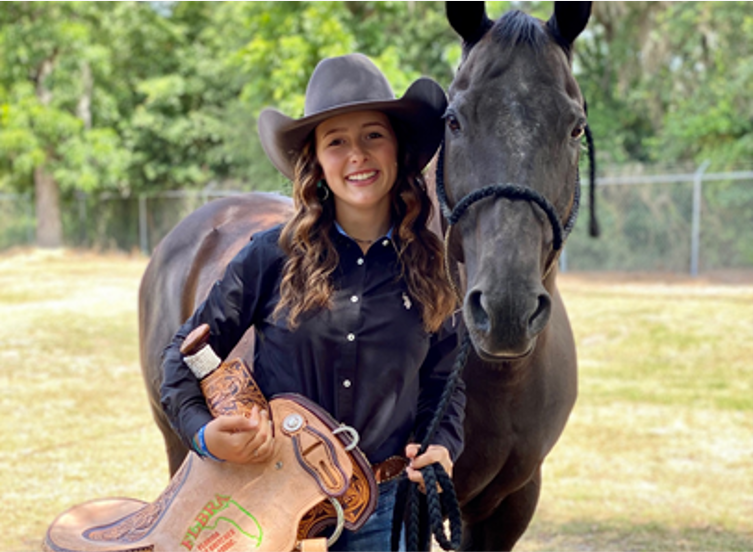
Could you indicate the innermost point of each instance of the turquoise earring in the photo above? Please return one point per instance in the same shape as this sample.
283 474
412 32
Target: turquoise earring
322 191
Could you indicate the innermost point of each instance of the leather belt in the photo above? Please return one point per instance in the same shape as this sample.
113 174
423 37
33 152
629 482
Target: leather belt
389 469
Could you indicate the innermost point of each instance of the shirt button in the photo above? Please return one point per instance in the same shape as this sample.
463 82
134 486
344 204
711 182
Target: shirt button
346 383
359 261
386 243
351 337
354 299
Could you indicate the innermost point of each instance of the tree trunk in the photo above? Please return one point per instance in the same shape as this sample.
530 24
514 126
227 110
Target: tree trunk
49 223
46 189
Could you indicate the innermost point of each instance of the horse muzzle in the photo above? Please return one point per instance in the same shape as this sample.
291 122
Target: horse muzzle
504 327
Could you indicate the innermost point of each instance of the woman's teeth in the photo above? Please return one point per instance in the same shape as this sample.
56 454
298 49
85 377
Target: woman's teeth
362 176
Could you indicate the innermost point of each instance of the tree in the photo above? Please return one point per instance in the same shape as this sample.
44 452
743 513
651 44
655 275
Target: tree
52 58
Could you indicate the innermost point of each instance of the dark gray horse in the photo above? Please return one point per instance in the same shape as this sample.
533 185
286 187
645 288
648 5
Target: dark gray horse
515 120
516 116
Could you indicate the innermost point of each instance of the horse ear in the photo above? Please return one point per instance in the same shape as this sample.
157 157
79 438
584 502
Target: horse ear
569 19
468 19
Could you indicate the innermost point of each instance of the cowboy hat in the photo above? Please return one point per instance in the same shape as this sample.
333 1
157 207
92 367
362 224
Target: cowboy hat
353 83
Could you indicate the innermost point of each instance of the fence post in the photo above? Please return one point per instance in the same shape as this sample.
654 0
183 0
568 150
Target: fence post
30 216
82 219
695 237
143 237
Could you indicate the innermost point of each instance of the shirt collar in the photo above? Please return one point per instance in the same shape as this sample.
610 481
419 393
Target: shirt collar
344 233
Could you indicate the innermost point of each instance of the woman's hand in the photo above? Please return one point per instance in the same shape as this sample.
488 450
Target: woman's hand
239 439
434 453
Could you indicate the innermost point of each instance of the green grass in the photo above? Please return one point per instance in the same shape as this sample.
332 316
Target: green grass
657 454
74 419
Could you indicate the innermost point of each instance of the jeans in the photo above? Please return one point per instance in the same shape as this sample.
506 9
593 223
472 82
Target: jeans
376 533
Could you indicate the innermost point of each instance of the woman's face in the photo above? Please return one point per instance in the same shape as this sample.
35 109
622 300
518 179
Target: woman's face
358 154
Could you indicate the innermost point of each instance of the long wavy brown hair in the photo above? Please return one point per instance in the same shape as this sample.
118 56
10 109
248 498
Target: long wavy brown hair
312 258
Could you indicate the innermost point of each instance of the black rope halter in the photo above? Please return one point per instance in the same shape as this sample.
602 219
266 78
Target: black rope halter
516 192
435 476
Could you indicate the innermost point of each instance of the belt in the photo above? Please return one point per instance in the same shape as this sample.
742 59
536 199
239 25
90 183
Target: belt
389 469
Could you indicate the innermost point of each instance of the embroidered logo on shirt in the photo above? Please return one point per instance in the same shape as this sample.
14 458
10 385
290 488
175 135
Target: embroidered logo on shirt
406 302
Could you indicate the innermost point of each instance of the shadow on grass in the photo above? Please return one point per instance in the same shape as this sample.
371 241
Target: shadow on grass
583 536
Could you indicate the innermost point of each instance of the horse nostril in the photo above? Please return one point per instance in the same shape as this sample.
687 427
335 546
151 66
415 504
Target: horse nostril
540 316
478 312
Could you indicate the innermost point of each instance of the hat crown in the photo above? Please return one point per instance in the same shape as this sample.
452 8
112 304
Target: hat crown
345 80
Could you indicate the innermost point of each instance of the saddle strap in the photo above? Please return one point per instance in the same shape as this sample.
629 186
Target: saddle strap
313 449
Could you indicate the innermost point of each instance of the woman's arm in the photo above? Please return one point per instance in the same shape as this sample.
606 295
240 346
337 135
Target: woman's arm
229 310
435 371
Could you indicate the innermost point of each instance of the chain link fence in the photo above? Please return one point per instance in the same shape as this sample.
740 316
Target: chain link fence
686 221
17 220
674 222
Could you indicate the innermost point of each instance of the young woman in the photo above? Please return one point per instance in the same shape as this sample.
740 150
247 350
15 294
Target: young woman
348 300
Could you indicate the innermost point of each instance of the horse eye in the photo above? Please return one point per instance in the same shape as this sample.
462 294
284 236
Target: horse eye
452 123
577 132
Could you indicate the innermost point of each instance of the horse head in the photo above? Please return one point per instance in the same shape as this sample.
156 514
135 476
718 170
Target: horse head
509 168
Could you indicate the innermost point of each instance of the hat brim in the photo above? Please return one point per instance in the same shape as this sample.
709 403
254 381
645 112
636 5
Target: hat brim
419 112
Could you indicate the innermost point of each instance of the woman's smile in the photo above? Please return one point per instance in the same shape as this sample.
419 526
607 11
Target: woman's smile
362 178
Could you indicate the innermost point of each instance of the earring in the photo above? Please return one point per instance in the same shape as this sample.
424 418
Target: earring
322 191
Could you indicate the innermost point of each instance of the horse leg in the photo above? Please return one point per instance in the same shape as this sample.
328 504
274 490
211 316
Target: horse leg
176 450
502 529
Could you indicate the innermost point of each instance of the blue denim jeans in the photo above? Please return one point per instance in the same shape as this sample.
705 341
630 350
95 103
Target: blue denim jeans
376 533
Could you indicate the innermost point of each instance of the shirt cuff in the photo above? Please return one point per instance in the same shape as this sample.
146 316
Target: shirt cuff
192 420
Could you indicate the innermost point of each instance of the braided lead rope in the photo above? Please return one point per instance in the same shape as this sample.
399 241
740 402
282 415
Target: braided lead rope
434 476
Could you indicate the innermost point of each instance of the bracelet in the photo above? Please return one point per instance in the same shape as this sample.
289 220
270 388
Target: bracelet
201 446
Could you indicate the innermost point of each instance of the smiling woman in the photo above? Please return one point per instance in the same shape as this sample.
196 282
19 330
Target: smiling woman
358 155
348 298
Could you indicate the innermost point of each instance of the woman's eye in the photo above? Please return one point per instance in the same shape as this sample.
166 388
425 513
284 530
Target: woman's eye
335 142
374 135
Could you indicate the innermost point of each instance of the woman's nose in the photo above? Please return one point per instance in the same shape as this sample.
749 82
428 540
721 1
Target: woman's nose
358 153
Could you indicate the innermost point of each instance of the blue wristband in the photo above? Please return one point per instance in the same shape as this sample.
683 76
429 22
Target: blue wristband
203 450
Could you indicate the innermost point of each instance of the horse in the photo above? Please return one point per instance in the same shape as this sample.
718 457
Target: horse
515 116
514 126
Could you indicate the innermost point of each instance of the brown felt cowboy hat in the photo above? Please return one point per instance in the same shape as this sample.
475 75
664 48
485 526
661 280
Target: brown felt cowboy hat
353 83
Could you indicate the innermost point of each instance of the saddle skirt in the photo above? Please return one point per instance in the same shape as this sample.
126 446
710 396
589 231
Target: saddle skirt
212 506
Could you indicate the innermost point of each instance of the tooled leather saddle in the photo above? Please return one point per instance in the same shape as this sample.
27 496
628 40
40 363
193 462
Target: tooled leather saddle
316 478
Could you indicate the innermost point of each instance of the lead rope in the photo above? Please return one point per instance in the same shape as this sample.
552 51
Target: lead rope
435 478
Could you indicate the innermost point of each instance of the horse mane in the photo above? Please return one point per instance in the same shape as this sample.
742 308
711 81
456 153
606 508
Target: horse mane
516 28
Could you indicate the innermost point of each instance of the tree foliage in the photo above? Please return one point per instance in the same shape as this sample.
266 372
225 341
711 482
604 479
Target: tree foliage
139 96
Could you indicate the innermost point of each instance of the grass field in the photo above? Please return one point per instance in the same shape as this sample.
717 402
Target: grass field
658 454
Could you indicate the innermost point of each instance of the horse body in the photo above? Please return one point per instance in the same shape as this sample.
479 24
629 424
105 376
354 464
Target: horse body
513 116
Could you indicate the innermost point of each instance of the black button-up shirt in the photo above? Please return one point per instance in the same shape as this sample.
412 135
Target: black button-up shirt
367 360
